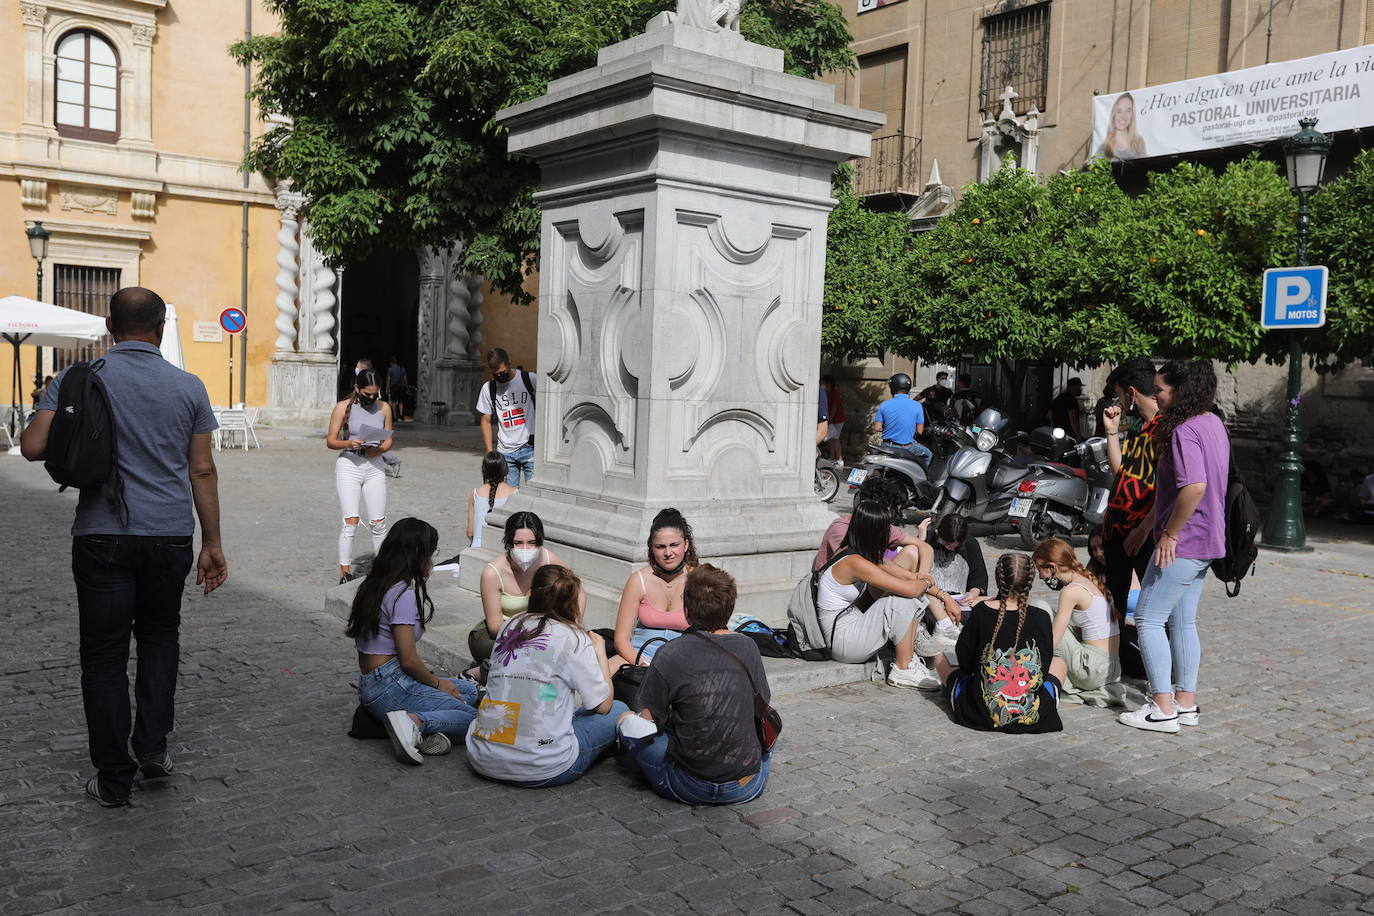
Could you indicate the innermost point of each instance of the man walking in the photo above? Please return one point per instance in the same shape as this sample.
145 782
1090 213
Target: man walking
509 397
130 573
1065 410
900 419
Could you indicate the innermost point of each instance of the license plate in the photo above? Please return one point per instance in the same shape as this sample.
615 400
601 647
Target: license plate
1020 508
857 476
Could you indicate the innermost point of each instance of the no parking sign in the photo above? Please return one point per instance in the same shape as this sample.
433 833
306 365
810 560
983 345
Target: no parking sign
233 320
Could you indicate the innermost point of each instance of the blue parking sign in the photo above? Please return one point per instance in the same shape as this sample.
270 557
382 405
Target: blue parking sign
1294 297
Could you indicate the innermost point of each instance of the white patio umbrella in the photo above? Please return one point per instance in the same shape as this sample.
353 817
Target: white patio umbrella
38 324
171 340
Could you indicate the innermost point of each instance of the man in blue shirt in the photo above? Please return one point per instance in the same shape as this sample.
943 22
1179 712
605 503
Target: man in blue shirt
900 419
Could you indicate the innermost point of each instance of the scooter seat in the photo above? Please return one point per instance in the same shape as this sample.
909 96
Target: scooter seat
1066 469
896 451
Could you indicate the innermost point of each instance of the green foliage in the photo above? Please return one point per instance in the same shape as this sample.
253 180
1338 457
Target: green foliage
1073 271
1343 240
392 106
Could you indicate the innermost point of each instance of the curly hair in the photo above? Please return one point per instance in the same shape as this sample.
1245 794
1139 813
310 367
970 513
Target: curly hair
1194 382
1061 555
671 518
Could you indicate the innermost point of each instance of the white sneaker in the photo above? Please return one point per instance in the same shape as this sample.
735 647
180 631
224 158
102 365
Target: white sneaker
405 737
929 645
636 726
1149 718
917 676
435 744
1188 716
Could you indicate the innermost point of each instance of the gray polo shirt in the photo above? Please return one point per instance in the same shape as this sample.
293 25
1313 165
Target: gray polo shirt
157 408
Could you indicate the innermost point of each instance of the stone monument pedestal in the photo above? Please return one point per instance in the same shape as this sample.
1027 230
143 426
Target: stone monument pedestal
301 388
685 193
455 383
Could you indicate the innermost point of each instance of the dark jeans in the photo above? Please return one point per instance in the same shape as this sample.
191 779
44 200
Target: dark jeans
128 584
1120 565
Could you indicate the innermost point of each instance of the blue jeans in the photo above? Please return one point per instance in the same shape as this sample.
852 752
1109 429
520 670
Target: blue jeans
920 451
676 784
641 635
128 584
387 688
522 459
595 732
1171 596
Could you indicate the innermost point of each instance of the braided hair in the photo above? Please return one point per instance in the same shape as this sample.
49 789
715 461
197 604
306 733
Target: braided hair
1014 576
494 470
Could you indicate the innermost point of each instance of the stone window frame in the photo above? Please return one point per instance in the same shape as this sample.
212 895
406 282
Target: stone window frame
129 26
1023 26
87 132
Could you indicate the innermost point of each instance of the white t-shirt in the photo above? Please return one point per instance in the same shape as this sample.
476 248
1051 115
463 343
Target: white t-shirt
514 410
523 730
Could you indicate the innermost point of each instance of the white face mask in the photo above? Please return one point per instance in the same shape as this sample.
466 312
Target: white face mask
524 557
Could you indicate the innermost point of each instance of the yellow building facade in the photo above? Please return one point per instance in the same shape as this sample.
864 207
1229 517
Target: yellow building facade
123 136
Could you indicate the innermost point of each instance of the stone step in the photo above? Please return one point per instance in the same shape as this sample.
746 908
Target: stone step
457 611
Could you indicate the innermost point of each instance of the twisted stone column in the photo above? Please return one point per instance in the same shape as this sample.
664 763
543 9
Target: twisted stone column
474 287
456 341
288 249
322 308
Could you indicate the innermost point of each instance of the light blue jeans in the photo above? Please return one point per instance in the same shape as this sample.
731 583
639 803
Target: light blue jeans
641 635
387 688
522 459
1170 596
676 784
595 732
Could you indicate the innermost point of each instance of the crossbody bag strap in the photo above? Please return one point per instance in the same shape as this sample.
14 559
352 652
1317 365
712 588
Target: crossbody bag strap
815 585
735 658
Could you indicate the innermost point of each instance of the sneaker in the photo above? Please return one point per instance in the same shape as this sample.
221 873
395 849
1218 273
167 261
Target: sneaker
156 767
435 744
1188 716
636 726
917 676
106 801
929 645
1149 718
346 577
405 737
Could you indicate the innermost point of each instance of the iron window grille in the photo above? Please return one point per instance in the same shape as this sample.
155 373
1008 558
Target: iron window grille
1016 53
85 289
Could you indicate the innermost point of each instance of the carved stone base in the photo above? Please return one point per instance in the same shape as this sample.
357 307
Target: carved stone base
300 388
456 383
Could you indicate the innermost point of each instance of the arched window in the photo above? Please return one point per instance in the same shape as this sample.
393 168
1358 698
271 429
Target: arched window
87 87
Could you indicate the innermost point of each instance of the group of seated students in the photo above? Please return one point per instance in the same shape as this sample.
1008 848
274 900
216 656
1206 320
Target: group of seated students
545 711
548 711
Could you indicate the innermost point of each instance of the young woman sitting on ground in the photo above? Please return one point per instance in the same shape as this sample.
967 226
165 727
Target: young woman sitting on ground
864 601
1003 676
505 582
700 693
885 491
422 712
493 492
549 713
651 605
1086 635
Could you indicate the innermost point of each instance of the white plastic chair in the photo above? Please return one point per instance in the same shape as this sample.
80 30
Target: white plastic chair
232 421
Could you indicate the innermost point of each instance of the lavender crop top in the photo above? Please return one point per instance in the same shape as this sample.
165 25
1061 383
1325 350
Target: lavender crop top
398 606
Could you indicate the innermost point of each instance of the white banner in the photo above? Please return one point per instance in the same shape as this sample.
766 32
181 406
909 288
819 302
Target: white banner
1241 106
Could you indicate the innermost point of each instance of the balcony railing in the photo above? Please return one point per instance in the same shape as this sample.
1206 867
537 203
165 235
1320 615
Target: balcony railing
892 167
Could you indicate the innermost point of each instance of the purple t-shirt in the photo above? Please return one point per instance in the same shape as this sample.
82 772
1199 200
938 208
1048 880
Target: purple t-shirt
398 606
1199 452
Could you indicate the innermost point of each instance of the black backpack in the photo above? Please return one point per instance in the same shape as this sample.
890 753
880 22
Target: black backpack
1242 525
81 449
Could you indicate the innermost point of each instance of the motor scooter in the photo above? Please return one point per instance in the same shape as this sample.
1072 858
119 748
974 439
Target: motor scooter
945 436
978 481
1056 498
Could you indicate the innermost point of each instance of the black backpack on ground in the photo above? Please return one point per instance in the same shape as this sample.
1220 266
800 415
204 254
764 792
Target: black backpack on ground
81 449
1242 525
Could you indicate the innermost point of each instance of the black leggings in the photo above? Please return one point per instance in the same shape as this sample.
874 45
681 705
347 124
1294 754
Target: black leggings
1120 565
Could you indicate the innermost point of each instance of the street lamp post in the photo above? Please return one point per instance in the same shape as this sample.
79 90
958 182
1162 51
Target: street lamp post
1305 153
38 247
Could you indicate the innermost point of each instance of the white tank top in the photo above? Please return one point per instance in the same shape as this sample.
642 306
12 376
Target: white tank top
832 596
1097 620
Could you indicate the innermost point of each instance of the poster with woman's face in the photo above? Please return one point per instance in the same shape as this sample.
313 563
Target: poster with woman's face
1255 105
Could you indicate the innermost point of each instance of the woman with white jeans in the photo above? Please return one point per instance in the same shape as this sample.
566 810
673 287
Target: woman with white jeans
360 431
1189 523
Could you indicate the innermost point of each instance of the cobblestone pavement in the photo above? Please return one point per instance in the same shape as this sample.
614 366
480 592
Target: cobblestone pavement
877 802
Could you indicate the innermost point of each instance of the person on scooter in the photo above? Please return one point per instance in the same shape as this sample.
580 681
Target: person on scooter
1133 452
900 419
